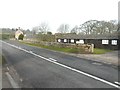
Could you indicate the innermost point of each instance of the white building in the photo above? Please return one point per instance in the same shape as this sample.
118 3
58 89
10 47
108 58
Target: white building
18 33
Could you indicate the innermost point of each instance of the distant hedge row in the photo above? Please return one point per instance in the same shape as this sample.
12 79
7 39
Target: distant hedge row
6 36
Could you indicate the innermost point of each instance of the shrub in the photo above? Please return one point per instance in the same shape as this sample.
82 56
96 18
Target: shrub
21 36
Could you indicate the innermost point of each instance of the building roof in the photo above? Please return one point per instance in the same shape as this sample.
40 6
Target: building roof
18 32
75 36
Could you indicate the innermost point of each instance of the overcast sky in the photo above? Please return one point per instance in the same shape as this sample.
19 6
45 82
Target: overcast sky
29 13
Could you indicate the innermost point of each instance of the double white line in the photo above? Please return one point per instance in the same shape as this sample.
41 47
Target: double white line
65 66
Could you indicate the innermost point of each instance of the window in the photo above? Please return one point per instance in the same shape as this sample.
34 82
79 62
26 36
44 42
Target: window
80 41
59 40
114 42
105 41
65 40
72 40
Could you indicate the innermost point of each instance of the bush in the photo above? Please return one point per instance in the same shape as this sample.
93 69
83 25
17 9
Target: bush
21 36
6 36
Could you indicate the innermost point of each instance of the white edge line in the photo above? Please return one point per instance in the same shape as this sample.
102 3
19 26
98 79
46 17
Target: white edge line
70 68
8 69
12 82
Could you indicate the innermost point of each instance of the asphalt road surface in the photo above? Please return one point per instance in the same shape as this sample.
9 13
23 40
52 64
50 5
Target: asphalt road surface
42 68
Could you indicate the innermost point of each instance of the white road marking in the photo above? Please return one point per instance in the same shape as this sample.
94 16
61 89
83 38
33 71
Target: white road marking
107 62
12 82
19 47
96 63
8 69
53 59
117 83
21 79
30 51
70 68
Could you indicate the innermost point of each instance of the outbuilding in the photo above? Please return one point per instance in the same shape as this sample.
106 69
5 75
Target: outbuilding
107 41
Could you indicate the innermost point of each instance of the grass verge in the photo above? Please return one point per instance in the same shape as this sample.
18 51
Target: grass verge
69 50
2 60
56 48
101 51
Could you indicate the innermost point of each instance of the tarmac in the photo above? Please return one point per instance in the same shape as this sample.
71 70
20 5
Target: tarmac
108 58
0 77
111 58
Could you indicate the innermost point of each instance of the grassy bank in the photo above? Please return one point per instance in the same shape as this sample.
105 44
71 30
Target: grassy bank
6 36
101 51
2 60
56 48
69 50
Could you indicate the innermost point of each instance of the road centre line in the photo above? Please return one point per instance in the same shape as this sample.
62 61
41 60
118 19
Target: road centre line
68 67
117 83
8 69
97 63
53 59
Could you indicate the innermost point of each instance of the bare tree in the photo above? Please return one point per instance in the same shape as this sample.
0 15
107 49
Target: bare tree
88 26
35 30
74 30
63 28
98 27
43 28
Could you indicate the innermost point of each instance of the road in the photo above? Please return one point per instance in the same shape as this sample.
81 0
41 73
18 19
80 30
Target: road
42 68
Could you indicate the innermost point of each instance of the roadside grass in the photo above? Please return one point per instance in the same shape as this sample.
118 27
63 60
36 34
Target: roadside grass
2 60
6 36
69 50
101 51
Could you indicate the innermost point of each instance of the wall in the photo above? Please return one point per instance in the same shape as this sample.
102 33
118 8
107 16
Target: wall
98 43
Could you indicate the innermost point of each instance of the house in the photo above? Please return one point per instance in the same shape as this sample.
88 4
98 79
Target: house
18 33
105 41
